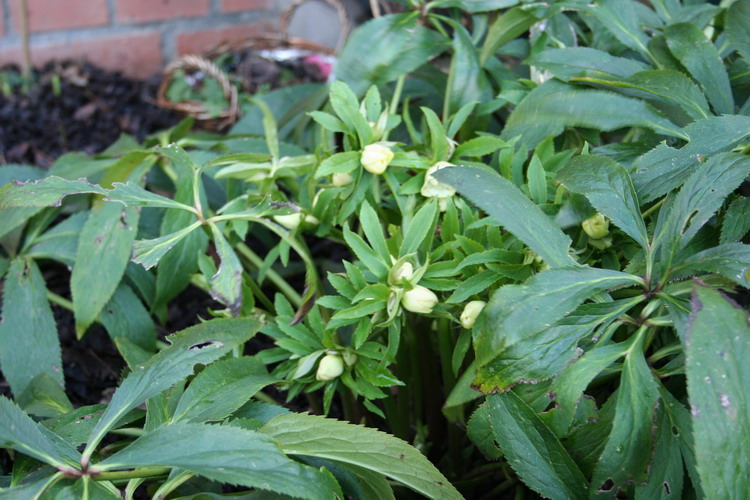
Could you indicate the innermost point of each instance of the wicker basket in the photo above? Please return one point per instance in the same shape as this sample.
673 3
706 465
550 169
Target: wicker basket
203 63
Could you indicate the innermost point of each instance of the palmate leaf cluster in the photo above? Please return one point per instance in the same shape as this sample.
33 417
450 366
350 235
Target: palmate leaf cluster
604 364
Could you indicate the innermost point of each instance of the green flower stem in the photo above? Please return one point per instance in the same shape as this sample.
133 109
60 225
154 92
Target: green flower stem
665 352
132 486
129 431
172 484
262 396
275 278
653 208
64 303
132 474
396 99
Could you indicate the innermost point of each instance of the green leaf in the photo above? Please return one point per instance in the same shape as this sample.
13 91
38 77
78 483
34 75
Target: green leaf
226 454
506 27
300 434
365 254
27 327
103 254
568 62
222 388
666 86
125 316
418 229
700 197
328 121
373 485
148 253
621 18
43 193
475 6
61 241
542 355
545 112
29 491
88 489
176 266
731 260
201 343
627 454
438 140
394 44
467 81
19 432
737 20
44 397
512 210
665 476
533 450
479 146
226 284
371 227
665 168
473 285
516 311
696 52
610 190
537 181
736 222
76 425
339 163
569 385
479 430
717 346
51 190
346 105
11 218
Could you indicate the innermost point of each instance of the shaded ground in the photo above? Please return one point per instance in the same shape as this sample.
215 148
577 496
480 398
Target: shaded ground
73 107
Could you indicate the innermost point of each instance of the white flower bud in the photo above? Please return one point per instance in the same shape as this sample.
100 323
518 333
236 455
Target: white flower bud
330 367
419 299
470 312
432 187
601 243
376 158
291 221
596 226
404 272
341 179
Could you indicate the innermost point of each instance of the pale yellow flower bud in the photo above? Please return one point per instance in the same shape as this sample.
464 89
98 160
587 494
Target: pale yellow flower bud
601 243
330 367
470 312
291 221
434 188
376 158
419 300
341 179
596 226
404 272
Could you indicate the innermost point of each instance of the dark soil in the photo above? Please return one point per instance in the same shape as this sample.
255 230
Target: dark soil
74 107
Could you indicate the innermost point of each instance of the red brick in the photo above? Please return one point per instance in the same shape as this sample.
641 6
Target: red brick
159 10
137 56
50 15
200 41
240 5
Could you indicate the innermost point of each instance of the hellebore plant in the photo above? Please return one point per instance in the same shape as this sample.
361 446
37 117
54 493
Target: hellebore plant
525 269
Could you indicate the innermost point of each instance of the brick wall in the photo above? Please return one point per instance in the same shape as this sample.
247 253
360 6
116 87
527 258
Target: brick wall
135 36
